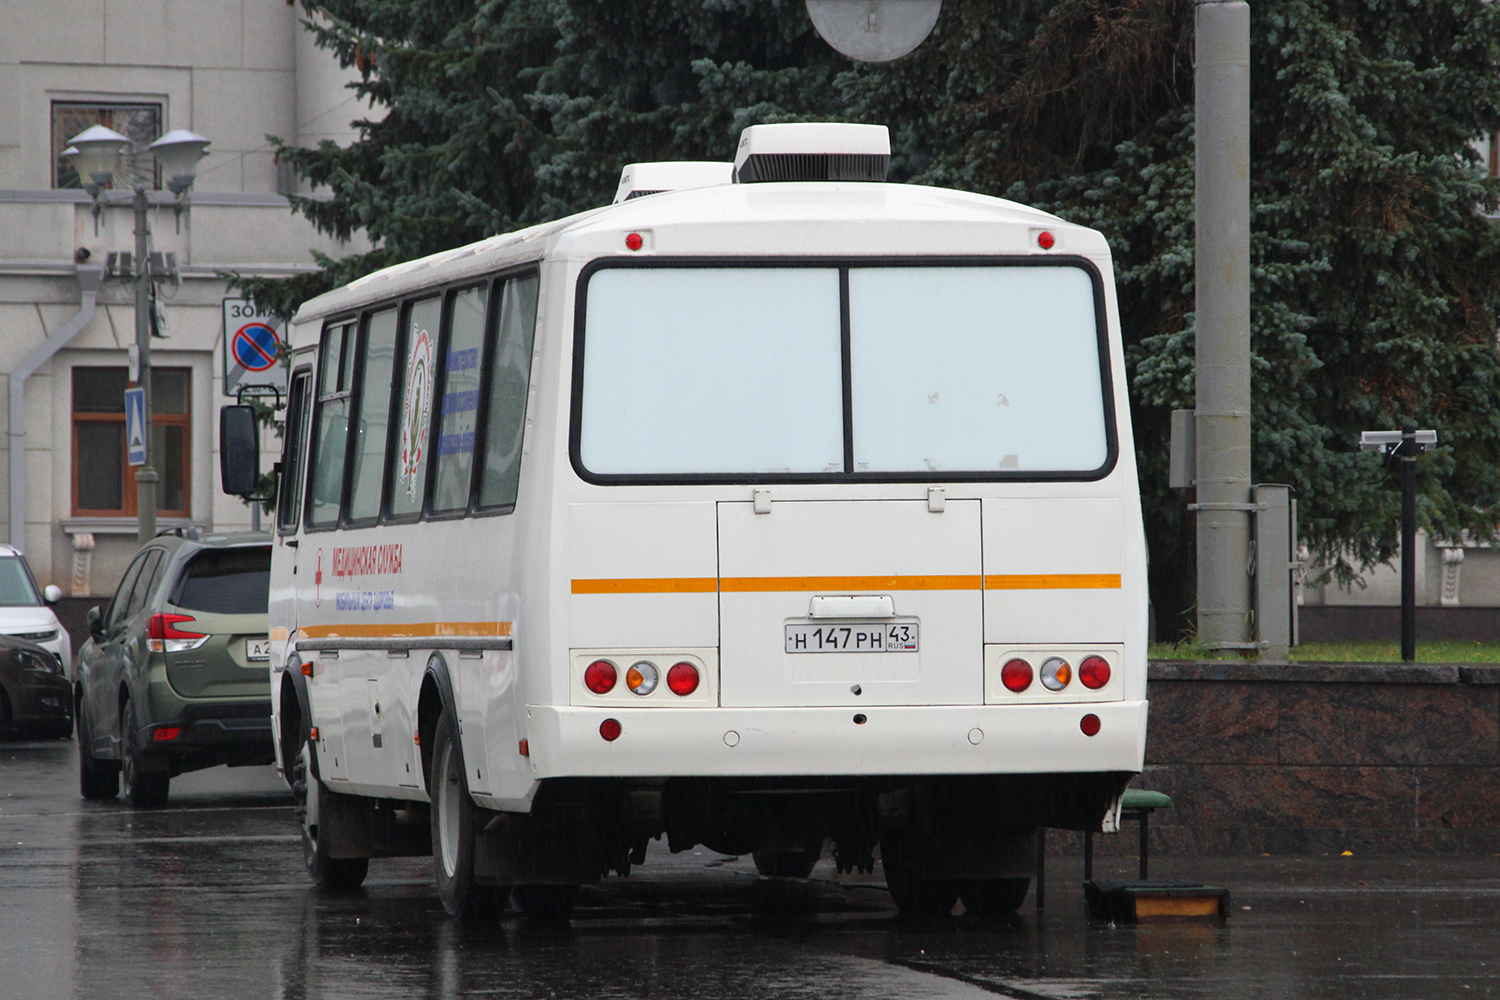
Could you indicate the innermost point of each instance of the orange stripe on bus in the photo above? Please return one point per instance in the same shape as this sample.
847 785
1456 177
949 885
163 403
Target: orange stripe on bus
660 585
782 584
1054 581
400 631
765 584
760 584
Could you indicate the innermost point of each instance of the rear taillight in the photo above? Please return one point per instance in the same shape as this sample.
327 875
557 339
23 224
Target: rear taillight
164 626
166 637
642 677
682 678
600 677
1094 672
1056 673
1016 675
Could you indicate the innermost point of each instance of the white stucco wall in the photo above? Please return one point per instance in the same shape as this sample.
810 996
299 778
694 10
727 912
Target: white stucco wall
232 70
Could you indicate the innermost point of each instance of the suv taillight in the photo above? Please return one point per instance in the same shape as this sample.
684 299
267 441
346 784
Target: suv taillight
166 637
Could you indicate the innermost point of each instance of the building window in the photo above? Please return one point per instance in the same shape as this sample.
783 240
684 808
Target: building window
140 123
103 482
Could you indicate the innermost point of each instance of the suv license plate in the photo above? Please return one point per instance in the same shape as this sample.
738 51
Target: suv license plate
257 649
851 637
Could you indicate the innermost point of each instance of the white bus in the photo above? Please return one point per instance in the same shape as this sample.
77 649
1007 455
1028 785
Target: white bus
767 515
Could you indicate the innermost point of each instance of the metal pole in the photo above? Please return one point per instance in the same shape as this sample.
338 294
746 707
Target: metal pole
1408 542
145 476
1222 276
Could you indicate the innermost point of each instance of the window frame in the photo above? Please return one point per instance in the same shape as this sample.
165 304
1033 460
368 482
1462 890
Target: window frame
492 287
844 264
129 497
487 363
409 305
125 589
60 142
294 449
319 398
146 582
494 284
356 413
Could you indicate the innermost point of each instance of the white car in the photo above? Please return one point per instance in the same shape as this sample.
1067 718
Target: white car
24 611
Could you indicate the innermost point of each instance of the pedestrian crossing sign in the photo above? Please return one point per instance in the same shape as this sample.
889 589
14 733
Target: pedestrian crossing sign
135 426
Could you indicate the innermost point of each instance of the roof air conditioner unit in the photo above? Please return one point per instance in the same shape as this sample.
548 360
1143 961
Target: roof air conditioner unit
813 151
640 179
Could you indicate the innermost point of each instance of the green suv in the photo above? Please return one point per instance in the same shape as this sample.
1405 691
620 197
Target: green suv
173 677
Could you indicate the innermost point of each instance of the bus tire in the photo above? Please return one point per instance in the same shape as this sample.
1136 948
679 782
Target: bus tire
453 832
916 898
994 897
786 864
326 872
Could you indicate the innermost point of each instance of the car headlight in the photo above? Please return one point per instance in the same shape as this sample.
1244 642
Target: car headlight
38 663
47 636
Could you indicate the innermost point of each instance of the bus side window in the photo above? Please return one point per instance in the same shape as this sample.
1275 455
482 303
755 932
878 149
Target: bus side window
289 503
509 377
330 444
463 346
372 428
413 451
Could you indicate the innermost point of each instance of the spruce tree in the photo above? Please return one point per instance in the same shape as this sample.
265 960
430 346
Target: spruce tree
1376 276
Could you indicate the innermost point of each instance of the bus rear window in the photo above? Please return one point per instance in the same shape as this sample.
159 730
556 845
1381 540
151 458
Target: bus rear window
970 371
225 582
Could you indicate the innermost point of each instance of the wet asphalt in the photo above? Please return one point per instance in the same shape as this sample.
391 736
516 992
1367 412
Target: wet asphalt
207 899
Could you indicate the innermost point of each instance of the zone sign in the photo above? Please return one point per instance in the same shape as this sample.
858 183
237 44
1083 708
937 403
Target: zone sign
252 349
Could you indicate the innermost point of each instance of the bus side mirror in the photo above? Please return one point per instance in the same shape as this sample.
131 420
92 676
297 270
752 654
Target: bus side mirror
239 451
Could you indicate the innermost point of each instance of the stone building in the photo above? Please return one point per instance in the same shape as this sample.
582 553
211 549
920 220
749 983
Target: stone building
231 70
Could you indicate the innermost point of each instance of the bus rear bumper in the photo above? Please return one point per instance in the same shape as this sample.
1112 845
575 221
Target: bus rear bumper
1007 739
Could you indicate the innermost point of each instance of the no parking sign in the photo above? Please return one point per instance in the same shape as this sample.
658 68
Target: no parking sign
252 349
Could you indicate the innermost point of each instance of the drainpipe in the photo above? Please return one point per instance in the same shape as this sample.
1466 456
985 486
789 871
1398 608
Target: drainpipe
89 278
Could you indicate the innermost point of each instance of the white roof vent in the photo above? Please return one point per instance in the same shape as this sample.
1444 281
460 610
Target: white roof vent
813 151
640 179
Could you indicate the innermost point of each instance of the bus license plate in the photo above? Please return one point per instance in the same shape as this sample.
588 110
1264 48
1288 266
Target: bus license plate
257 649
882 637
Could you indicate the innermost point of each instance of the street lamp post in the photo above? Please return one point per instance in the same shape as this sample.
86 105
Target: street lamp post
93 154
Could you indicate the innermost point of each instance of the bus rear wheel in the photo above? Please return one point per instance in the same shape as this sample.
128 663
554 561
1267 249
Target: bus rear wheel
453 833
916 898
994 897
786 864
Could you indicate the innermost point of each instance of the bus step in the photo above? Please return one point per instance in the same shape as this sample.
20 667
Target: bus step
1134 901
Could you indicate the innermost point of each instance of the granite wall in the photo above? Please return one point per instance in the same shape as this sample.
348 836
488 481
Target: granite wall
1322 758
